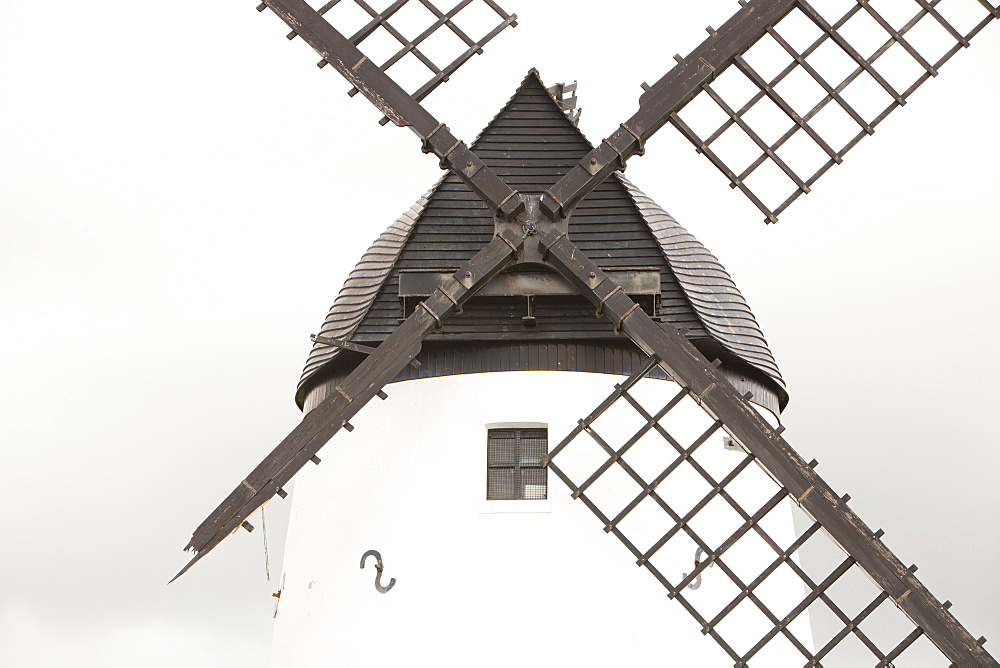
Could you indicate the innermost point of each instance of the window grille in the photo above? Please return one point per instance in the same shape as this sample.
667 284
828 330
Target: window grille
515 468
818 81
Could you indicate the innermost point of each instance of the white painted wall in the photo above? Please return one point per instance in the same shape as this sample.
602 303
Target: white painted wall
492 583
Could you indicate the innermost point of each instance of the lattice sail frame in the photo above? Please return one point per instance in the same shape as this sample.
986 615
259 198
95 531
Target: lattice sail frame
748 605
532 229
793 478
381 20
858 79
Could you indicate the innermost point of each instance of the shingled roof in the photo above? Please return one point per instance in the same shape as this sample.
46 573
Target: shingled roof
531 144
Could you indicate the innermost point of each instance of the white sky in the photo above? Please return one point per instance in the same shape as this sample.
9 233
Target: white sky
182 194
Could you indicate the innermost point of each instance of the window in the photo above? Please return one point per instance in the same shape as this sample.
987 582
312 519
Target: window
514 469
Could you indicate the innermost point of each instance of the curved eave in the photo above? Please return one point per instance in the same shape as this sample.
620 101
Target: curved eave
710 289
359 291
711 292
700 292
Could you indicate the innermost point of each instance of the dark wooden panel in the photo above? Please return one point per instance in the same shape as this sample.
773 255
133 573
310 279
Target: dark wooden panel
531 145
537 143
617 357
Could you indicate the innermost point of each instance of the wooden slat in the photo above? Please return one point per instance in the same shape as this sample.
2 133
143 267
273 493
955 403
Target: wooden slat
320 425
678 357
607 225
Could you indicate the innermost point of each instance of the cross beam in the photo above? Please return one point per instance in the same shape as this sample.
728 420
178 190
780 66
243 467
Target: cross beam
361 386
688 367
549 242
398 105
663 99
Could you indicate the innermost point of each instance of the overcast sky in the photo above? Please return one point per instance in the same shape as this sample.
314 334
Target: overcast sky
182 194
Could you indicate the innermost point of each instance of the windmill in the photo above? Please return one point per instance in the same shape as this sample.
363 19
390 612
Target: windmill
544 245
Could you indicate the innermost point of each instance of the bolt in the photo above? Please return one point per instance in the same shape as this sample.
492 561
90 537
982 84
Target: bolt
593 161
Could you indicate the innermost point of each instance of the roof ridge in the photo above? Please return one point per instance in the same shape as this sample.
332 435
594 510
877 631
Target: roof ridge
530 142
531 77
376 265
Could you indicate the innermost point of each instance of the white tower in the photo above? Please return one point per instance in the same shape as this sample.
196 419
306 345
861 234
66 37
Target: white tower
495 561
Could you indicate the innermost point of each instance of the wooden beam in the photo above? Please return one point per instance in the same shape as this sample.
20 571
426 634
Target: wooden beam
664 98
364 383
679 358
398 105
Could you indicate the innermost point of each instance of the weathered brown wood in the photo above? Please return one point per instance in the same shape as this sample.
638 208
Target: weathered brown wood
350 345
341 343
453 223
667 96
679 358
535 283
321 424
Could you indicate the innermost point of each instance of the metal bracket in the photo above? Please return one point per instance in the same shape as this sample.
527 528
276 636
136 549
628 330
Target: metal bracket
425 145
621 156
638 140
529 320
618 327
458 306
529 224
471 168
513 193
434 315
378 571
697 562
443 162
599 312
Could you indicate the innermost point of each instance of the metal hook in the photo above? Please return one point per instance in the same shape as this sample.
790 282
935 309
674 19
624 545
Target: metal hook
697 562
378 569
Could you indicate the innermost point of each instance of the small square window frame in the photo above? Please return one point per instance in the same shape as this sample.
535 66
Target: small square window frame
493 507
